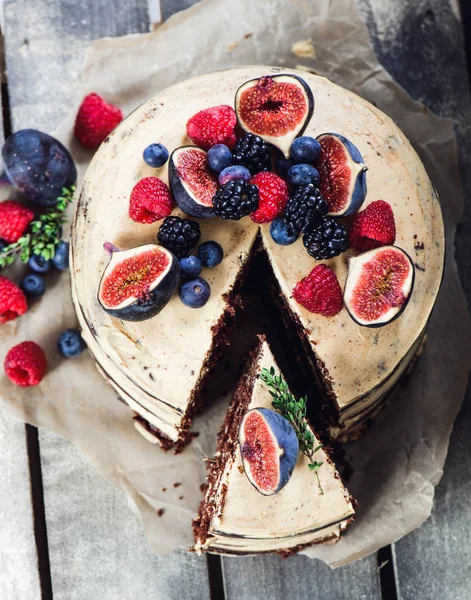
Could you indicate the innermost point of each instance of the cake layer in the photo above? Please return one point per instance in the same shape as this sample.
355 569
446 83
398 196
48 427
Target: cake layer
236 519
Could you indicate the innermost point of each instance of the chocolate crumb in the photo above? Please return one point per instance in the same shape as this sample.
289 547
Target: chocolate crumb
180 497
151 376
177 484
160 512
164 489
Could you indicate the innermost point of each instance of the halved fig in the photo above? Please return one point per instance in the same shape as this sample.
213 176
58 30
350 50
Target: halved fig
342 174
269 448
275 107
138 283
379 285
192 182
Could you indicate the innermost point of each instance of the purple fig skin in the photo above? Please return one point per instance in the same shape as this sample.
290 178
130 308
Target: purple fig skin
156 299
184 200
287 442
351 312
110 248
307 116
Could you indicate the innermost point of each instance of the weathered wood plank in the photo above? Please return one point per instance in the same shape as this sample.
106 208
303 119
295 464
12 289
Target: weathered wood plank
300 577
421 44
96 546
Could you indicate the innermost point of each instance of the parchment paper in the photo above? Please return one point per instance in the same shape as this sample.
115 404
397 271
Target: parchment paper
400 460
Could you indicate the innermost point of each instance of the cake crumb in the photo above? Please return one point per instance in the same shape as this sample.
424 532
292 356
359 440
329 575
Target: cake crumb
177 484
304 49
160 512
241 469
164 489
181 497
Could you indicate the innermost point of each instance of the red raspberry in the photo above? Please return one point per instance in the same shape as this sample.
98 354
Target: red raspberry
95 120
213 126
12 301
373 227
26 364
319 292
273 197
150 201
14 219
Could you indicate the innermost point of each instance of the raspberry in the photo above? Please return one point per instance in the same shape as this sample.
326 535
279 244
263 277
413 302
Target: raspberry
212 126
14 219
150 201
273 196
12 301
373 227
95 120
319 292
25 364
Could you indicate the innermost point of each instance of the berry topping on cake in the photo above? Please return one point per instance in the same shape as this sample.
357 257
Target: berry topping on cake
303 175
12 301
39 264
235 199
281 233
305 149
150 201
95 120
305 209
235 172
319 292
195 293
138 283
14 219
269 449
61 257
252 152
342 174
190 266
277 108
192 182
219 157
211 253
273 197
327 240
71 343
373 227
26 364
212 126
38 165
179 235
33 285
155 155
379 285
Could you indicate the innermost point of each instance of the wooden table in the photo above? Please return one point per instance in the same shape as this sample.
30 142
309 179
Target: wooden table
66 533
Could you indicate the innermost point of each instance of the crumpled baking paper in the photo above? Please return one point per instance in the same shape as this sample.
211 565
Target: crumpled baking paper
399 461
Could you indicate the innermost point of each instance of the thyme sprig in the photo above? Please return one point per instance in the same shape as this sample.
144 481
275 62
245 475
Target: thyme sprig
44 234
294 411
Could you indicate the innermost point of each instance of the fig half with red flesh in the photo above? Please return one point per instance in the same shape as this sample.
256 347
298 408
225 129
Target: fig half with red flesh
138 283
342 174
269 448
275 107
379 285
192 182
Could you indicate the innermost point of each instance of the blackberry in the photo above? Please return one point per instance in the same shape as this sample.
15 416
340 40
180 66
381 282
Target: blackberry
329 239
305 209
235 199
179 235
252 152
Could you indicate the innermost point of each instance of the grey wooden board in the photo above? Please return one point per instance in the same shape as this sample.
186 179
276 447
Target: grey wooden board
96 545
18 559
299 577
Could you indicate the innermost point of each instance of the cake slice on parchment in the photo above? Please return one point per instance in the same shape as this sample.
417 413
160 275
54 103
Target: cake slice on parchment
235 517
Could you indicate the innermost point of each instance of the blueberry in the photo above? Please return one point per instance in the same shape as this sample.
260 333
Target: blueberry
190 266
219 157
155 155
39 264
303 175
282 165
280 234
71 343
195 293
210 254
33 285
61 257
38 165
305 149
236 172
